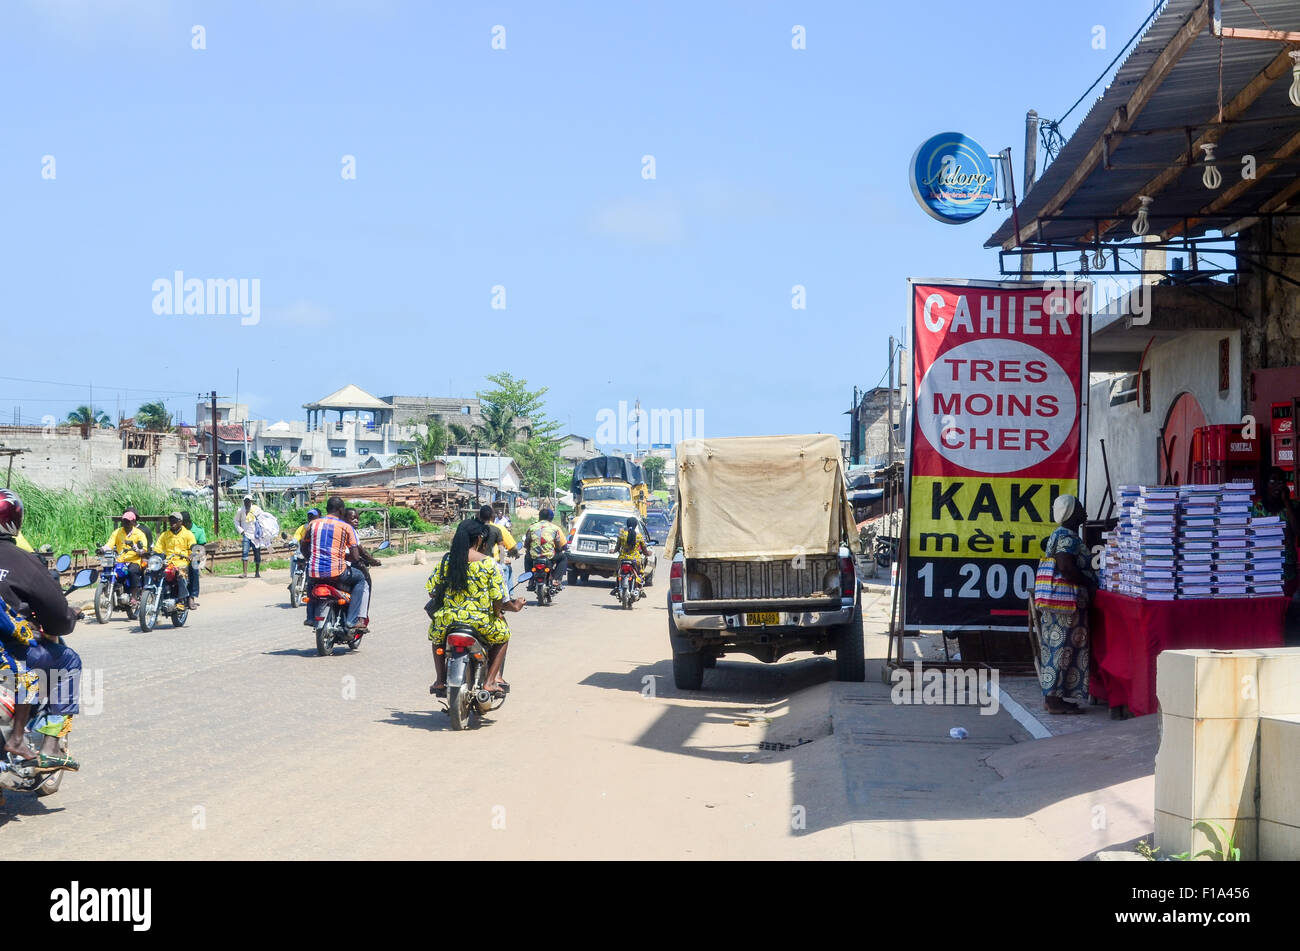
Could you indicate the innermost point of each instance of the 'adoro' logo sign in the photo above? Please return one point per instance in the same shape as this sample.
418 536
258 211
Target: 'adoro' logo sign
952 178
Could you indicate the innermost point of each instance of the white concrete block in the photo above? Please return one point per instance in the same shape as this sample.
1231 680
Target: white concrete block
1207 767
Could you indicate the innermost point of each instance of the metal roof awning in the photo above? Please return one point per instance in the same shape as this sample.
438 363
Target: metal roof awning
1143 137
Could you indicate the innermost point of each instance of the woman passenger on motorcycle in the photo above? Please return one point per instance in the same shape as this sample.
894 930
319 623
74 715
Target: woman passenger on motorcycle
473 594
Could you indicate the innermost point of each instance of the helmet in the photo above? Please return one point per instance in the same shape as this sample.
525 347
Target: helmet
11 512
546 515
129 515
313 513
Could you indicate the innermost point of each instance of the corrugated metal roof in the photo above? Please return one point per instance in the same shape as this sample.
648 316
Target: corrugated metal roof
1188 96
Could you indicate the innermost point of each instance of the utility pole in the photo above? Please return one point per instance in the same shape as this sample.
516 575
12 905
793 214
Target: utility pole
889 423
212 472
476 495
1031 169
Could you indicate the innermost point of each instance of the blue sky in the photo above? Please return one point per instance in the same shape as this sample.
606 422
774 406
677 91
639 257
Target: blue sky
519 167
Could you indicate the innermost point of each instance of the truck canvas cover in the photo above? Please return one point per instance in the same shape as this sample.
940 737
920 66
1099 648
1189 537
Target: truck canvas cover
757 498
607 467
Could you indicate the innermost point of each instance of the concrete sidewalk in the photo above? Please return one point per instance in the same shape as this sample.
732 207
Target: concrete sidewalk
911 791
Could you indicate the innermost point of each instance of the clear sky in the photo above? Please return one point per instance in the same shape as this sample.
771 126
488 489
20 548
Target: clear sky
519 167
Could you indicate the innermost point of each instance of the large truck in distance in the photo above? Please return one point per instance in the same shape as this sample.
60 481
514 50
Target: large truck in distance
762 555
610 481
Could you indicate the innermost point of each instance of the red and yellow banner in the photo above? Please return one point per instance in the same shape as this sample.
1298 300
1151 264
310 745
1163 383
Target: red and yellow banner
996 434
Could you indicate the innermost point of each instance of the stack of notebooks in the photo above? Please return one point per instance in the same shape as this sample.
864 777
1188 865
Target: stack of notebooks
1212 541
1192 541
1267 538
1155 543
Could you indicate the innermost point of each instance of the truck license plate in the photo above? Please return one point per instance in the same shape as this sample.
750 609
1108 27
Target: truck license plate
764 617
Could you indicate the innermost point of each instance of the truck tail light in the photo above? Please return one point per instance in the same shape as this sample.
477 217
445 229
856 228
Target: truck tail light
848 577
676 585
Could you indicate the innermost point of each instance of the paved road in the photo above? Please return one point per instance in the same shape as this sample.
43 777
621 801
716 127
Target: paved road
230 738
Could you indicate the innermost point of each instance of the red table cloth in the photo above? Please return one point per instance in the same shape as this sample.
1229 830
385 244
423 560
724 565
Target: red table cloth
1127 633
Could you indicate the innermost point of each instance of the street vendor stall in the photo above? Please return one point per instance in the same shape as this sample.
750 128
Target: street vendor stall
1128 634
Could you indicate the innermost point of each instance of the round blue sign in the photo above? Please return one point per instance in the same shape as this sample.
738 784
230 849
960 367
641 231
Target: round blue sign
952 178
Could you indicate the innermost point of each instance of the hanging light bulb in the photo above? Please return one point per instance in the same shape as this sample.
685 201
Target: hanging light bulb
1294 94
1099 258
1211 178
1141 223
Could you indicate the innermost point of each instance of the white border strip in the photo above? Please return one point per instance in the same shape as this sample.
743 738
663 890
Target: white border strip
1023 716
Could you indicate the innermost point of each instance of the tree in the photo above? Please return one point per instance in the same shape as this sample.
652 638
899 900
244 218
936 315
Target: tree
464 435
154 417
498 429
654 470
84 415
514 397
512 401
428 446
269 466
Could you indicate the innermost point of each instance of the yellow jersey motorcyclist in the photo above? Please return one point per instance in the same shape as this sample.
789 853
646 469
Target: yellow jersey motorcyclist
631 544
174 545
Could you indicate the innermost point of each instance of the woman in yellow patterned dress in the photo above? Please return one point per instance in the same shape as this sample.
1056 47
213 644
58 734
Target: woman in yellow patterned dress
474 594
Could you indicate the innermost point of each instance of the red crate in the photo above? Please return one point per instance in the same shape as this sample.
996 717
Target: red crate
1223 443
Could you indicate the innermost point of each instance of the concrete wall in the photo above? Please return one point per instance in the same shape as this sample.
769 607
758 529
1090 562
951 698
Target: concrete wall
62 459
1187 364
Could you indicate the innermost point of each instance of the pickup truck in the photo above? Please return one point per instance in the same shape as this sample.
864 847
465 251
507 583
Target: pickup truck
762 555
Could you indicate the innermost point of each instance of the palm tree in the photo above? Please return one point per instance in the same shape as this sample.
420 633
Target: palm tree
85 416
498 429
464 435
269 466
429 446
154 417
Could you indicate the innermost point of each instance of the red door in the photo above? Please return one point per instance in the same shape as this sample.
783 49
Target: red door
1175 457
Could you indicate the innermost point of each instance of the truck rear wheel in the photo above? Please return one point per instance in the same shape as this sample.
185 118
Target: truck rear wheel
850 651
688 671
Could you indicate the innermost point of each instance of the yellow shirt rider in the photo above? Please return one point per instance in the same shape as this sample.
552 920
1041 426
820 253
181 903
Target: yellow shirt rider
174 545
631 544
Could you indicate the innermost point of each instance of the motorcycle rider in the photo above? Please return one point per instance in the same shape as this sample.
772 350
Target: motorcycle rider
200 538
545 542
25 582
299 534
127 541
473 594
501 545
174 545
333 551
631 544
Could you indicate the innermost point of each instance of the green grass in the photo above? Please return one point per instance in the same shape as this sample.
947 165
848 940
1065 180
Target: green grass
77 519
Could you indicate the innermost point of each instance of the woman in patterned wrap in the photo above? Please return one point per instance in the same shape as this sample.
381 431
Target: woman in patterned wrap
1063 590
474 594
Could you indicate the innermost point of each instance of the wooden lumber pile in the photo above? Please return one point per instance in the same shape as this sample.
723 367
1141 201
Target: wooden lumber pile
437 506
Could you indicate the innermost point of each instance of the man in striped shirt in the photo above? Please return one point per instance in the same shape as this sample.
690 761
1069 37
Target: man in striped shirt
332 548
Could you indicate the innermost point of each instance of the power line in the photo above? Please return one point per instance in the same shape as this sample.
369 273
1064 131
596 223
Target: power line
106 386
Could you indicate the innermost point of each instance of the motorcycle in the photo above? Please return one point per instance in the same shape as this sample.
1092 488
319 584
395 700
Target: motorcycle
331 611
629 591
467 666
297 573
886 552
113 593
158 597
14 775
545 588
